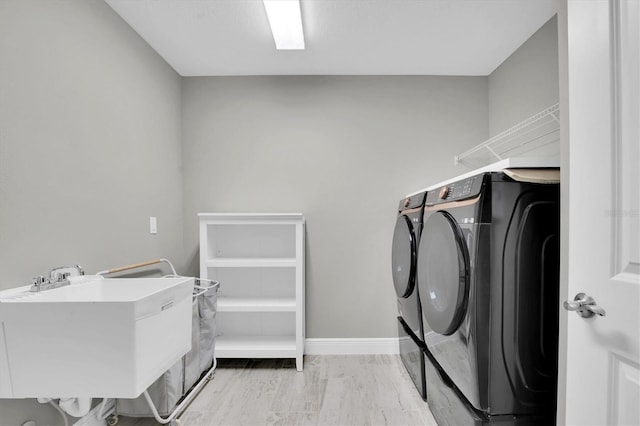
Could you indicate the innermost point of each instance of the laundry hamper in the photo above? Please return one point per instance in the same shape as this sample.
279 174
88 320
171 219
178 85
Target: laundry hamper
169 389
203 338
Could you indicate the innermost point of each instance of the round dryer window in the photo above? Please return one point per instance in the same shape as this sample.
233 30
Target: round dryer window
443 273
403 256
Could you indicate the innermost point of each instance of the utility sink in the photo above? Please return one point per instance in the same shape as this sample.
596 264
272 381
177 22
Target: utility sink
97 337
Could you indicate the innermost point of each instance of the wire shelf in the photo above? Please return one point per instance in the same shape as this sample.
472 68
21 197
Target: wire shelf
539 133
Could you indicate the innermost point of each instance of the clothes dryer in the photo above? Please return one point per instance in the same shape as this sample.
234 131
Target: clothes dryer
488 271
404 258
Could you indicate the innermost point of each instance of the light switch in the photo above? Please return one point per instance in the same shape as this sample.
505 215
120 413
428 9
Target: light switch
153 225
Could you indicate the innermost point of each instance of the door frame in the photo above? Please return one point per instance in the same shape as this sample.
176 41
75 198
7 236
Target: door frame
563 84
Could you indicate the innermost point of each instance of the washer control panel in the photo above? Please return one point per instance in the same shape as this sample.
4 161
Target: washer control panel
455 191
412 202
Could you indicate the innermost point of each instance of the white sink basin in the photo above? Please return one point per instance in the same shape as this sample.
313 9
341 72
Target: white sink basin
94 338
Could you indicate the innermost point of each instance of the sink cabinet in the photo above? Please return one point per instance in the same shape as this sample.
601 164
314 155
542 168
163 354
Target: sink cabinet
109 337
259 261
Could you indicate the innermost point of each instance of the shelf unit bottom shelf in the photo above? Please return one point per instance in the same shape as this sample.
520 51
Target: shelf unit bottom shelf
256 347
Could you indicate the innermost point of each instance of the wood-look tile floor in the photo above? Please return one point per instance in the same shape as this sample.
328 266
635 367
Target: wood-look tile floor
332 390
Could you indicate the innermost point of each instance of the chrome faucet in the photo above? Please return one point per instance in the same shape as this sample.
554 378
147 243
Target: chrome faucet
58 277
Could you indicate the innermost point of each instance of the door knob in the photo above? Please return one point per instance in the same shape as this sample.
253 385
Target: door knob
585 306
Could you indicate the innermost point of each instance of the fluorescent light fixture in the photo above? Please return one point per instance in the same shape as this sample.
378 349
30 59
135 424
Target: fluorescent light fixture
286 23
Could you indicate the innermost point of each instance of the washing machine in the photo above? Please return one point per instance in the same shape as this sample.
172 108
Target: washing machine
488 275
404 258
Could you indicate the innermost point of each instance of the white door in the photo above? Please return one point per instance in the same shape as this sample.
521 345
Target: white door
603 370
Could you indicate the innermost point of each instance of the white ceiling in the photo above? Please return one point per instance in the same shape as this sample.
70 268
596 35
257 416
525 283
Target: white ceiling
342 37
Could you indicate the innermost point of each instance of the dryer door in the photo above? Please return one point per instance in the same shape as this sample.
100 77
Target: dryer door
404 256
443 275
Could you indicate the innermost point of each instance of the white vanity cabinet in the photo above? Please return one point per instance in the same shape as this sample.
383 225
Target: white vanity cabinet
259 261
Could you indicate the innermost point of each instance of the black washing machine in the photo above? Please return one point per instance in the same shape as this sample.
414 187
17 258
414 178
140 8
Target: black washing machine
404 259
488 275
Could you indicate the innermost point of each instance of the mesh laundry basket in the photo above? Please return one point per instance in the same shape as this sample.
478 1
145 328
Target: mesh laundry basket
207 307
167 391
164 392
203 341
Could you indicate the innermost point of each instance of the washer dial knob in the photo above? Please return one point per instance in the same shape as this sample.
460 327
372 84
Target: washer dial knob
444 191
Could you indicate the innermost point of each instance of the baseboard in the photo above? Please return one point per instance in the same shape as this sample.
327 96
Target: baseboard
354 346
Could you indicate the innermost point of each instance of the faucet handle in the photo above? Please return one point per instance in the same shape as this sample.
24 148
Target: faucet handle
37 280
62 276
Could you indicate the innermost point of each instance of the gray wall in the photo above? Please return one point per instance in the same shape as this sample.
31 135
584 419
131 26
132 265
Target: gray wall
90 141
89 148
526 82
341 150
327 145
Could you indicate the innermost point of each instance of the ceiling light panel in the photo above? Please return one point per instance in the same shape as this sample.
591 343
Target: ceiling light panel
285 21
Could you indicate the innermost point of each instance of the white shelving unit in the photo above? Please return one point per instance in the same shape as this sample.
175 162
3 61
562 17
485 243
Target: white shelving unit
259 261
